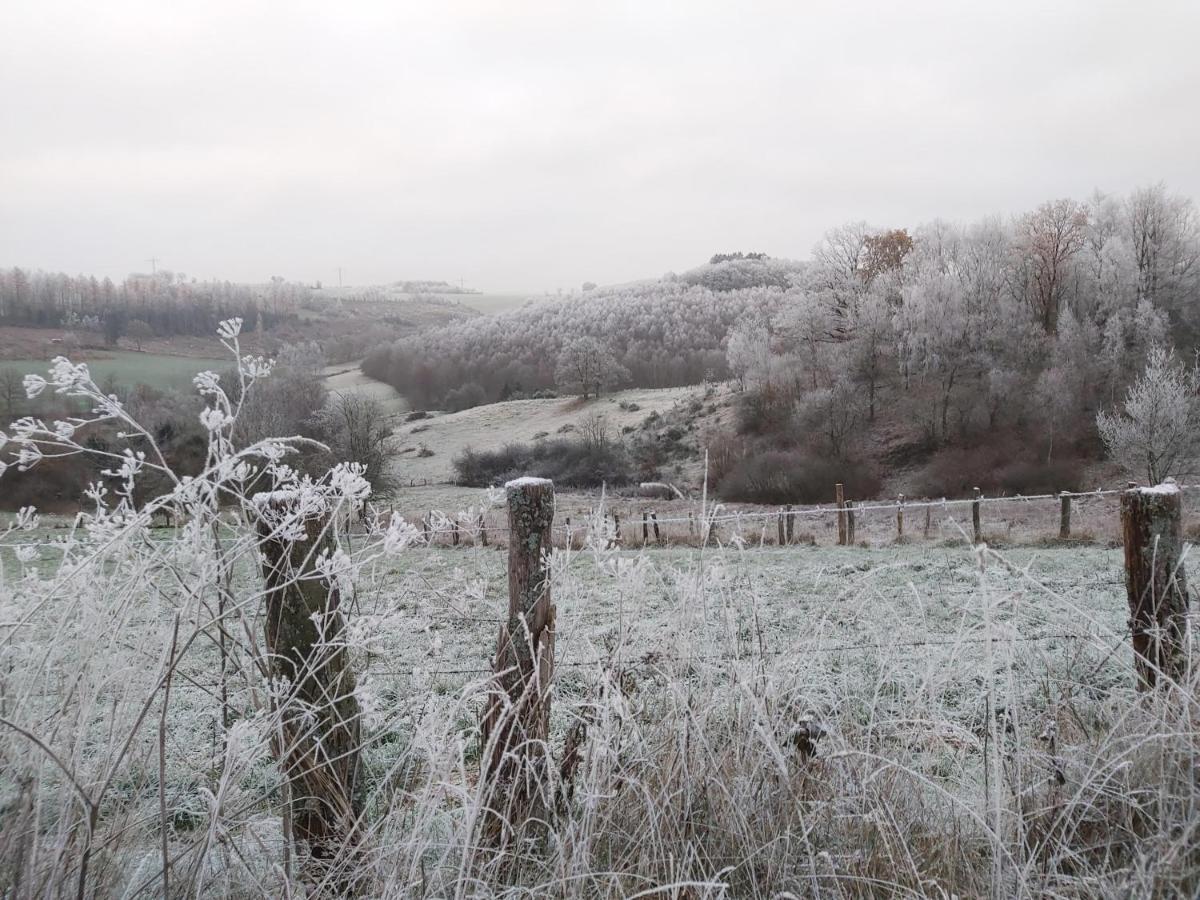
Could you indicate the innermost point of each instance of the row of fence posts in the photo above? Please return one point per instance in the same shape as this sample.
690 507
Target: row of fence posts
785 522
323 793
846 518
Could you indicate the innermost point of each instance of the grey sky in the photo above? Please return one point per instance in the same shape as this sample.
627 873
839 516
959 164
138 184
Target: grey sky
526 145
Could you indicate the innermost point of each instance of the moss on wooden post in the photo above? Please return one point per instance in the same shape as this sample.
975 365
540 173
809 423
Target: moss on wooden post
318 745
1155 582
516 723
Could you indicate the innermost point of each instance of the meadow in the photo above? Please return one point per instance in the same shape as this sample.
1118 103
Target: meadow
130 367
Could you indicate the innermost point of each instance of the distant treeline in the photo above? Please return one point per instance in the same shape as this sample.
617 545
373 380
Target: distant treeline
167 304
666 333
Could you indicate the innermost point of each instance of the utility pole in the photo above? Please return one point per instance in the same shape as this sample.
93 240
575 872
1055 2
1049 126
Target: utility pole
153 265
339 277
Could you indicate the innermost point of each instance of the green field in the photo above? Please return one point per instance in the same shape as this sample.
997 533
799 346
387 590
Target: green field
129 367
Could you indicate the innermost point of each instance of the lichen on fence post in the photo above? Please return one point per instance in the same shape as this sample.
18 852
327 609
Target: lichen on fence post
516 722
1155 582
318 745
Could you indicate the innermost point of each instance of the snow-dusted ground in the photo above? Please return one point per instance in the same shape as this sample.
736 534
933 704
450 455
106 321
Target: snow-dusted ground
496 424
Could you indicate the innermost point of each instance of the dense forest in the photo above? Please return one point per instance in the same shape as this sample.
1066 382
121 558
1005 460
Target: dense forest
663 333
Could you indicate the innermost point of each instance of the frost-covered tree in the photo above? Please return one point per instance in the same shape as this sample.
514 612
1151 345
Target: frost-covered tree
588 367
1158 431
749 353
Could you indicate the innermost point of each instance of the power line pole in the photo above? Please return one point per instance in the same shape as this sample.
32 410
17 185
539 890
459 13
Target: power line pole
153 265
339 277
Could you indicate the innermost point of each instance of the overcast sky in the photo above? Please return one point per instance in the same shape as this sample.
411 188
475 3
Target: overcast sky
529 146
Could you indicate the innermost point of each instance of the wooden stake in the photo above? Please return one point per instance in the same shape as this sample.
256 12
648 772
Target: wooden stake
850 522
779 523
976 528
928 517
841 505
791 523
900 518
516 723
654 522
482 530
1064 517
318 745
645 528
1155 582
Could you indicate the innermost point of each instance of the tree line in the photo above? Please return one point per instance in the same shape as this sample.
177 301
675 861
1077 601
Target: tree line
165 303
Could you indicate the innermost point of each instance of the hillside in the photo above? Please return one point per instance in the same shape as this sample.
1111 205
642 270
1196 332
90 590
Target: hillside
515 421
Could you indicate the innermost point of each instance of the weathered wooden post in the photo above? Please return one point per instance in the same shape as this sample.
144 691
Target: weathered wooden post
779 523
841 516
516 722
976 528
1155 582
483 539
454 531
900 517
654 522
425 529
645 528
928 517
1064 517
692 525
791 523
317 746
850 523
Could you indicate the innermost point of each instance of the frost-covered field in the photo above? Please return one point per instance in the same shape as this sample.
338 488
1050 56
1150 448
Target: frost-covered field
979 727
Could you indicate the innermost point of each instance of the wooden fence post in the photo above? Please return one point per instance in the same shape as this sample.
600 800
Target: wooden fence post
976 527
928 516
1064 518
425 530
482 530
645 528
654 522
841 516
900 517
516 723
1155 582
850 523
692 525
454 531
318 745
790 521
779 523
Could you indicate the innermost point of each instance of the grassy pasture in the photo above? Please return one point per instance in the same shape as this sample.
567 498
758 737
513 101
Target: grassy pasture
130 367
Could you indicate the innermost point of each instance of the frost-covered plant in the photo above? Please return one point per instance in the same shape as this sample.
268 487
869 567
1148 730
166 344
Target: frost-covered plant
1158 431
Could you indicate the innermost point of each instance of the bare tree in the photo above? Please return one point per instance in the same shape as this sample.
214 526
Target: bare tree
357 428
588 367
1047 240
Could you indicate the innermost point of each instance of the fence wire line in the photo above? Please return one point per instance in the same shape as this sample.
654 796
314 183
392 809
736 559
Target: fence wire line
471 527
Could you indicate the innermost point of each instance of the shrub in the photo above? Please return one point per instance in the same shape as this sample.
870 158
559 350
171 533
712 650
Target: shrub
783 476
416 415
569 462
996 468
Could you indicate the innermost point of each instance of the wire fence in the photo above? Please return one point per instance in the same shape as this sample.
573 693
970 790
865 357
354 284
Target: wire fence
1081 516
